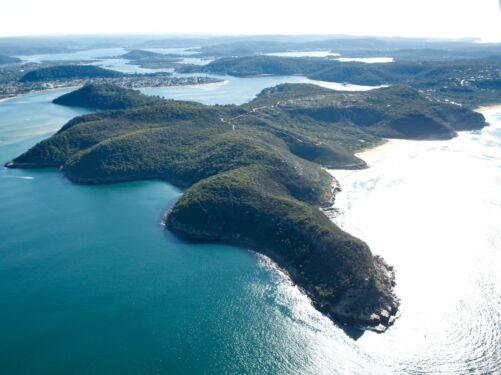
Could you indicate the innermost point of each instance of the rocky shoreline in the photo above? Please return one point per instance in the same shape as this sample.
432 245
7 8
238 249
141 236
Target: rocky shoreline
382 317
385 309
380 305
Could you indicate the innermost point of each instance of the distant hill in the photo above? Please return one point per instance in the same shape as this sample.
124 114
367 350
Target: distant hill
141 54
400 48
68 72
105 97
8 60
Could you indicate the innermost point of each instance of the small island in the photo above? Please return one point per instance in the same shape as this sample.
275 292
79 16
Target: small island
152 60
254 175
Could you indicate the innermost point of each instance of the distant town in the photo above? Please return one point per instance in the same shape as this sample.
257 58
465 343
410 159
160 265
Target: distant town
12 82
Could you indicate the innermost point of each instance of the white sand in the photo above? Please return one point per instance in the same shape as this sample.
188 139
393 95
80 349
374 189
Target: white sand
495 107
375 154
371 156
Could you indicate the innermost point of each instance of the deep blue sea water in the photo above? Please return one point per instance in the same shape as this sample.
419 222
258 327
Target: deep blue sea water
91 283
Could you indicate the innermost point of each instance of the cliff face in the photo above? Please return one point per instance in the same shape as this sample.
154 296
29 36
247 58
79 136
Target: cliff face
253 174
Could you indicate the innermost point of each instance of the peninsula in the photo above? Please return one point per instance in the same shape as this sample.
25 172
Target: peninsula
254 174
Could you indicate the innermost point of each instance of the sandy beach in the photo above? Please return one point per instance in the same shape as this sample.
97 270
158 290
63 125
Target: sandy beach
375 154
9 98
496 107
371 156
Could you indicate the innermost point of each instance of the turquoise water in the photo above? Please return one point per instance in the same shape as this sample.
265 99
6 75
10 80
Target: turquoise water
91 283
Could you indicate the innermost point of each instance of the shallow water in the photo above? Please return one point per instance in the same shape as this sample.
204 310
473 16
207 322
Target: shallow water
30 116
91 283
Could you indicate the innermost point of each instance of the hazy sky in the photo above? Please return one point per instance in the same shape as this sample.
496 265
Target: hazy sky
432 18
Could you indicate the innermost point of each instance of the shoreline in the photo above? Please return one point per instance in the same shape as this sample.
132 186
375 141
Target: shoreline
370 156
222 83
9 98
488 108
37 92
374 154
387 151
